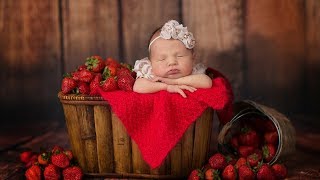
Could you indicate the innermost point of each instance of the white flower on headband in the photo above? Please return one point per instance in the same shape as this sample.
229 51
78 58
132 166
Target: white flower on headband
172 29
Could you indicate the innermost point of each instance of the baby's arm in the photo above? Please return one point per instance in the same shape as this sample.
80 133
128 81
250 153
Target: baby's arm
143 85
194 80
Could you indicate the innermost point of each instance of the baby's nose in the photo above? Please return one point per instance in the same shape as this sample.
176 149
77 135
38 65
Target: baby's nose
172 61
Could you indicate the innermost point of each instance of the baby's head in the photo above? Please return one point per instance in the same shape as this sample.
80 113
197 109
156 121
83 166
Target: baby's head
171 51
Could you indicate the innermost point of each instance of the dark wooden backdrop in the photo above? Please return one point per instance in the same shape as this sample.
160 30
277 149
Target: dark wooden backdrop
269 49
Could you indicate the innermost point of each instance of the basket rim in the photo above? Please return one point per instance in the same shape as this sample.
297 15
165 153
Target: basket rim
78 97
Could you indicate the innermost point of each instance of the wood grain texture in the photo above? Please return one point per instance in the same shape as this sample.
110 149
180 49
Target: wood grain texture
312 22
88 136
74 128
89 28
103 127
139 166
163 168
202 133
29 52
275 52
122 147
139 19
176 159
218 29
187 149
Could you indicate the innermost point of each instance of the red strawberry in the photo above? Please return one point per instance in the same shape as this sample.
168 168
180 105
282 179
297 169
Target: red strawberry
109 71
69 154
51 172
245 151
229 173
112 62
32 161
109 84
231 159
82 67
56 149
61 160
234 142
122 71
196 174
126 65
249 137
85 75
43 158
280 171
212 174
254 159
72 173
33 173
265 172
271 137
83 88
95 64
134 74
25 156
95 85
241 161
269 151
245 172
126 82
269 126
68 84
218 161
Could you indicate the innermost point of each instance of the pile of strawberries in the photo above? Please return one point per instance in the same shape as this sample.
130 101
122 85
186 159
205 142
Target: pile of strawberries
55 163
95 73
251 146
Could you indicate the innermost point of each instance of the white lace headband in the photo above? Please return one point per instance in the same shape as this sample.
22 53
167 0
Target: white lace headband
172 29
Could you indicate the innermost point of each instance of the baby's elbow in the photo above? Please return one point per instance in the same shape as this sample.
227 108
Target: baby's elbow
139 88
207 82
136 88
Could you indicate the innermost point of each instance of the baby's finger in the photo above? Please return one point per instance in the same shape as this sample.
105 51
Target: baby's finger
192 89
182 93
189 88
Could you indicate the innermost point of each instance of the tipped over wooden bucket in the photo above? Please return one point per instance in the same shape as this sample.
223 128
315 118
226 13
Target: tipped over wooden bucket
284 128
104 149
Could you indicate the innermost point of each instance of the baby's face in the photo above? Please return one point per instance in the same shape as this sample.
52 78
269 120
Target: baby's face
170 59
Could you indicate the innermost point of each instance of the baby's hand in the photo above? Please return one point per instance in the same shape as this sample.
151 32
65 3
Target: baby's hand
179 89
164 80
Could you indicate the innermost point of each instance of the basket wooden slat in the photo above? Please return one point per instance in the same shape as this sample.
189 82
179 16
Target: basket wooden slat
121 146
187 146
88 136
104 138
139 165
202 138
73 126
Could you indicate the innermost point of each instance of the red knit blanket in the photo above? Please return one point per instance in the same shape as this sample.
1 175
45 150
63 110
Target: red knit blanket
157 121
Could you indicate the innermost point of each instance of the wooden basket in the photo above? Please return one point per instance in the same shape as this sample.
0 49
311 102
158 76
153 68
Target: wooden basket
286 132
104 149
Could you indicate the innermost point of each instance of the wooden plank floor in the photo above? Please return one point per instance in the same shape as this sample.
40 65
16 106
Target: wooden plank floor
304 164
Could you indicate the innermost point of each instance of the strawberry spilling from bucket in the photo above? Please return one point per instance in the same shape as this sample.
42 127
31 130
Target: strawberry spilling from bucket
242 169
95 73
249 151
54 163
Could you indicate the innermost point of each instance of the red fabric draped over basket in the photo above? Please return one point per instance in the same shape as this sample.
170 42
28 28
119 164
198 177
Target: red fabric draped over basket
157 121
